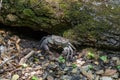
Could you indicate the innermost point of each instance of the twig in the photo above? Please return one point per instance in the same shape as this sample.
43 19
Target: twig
6 61
23 60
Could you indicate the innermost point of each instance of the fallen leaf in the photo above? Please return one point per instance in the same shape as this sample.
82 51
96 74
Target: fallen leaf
15 77
109 72
2 31
88 75
18 40
100 72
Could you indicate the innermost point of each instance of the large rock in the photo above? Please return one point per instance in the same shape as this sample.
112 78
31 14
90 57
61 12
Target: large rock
89 22
45 15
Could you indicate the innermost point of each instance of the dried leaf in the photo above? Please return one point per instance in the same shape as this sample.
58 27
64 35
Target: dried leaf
18 40
2 31
100 72
109 72
15 77
88 75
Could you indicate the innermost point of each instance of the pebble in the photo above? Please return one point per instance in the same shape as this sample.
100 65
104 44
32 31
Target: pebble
45 64
2 49
70 69
115 58
50 71
62 66
52 58
52 65
42 58
66 69
118 62
76 77
84 78
74 70
68 64
115 75
106 78
65 77
50 78
1 71
96 62
61 72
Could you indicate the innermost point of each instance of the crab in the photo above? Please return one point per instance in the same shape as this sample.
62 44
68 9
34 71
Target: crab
57 41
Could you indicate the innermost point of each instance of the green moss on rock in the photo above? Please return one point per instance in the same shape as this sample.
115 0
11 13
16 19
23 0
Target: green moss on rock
34 3
28 12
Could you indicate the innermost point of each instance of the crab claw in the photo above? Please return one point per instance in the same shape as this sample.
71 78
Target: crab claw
68 52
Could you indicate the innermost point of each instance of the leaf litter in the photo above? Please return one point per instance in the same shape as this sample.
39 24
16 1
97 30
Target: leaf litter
21 59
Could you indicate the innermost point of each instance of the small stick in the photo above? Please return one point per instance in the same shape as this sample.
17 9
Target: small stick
24 59
6 61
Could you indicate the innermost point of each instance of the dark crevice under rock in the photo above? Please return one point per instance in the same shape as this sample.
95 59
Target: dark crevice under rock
25 32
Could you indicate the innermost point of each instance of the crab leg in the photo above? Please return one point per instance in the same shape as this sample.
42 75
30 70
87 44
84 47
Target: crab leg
71 51
66 51
71 46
